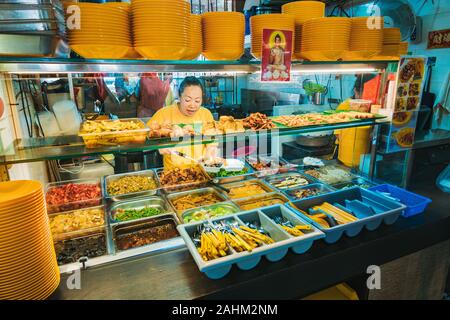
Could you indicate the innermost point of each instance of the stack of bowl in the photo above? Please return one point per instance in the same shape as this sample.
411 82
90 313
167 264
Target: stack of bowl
223 35
104 30
276 21
28 267
303 11
366 38
391 42
161 28
326 39
196 39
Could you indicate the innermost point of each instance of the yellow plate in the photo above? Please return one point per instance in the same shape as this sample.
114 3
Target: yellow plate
162 53
17 190
34 198
33 204
323 55
101 51
405 137
223 55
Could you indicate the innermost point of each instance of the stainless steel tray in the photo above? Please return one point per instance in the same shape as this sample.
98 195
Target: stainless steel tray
263 185
174 196
121 197
261 197
184 186
283 166
29 26
26 11
272 180
229 205
33 46
123 229
152 202
221 180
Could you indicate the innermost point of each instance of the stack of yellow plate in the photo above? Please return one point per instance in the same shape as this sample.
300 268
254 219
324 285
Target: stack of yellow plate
326 39
276 21
223 35
303 11
196 39
391 43
161 28
403 48
104 31
366 38
28 267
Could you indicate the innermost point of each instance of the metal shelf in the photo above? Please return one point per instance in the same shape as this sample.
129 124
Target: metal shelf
64 65
66 147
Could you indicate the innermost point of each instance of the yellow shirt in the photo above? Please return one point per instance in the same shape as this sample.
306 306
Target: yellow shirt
173 115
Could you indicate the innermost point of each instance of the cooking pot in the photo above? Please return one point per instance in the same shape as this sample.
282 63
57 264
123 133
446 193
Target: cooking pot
315 139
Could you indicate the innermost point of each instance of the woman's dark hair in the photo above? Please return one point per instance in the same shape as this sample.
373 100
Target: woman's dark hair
189 82
277 37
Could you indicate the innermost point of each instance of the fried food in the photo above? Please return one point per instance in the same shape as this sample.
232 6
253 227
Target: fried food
258 121
110 126
255 204
167 129
179 176
311 119
190 201
76 221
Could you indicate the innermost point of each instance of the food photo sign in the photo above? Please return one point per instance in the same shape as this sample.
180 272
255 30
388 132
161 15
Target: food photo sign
276 55
410 84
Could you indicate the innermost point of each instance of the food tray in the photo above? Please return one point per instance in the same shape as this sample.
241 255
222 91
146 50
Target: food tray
151 202
184 186
386 210
322 190
147 173
227 205
235 178
274 180
74 233
115 138
220 267
174 196
350 176
74 205
259 198
69 248
122 231
282 167
358 182
260 183
415 203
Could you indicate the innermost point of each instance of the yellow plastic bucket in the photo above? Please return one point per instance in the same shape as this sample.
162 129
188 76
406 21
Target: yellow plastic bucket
353 143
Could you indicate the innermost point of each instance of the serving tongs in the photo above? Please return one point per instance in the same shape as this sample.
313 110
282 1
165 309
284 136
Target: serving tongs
211 181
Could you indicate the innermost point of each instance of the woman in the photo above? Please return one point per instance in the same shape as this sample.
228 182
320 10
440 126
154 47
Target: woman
187 111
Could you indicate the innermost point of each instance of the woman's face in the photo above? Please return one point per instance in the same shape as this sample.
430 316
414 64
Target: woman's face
191 100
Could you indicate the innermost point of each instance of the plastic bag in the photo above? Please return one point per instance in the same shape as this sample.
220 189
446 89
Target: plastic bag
443 181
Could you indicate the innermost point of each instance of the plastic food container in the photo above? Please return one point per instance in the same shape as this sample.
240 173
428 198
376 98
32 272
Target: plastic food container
61 196
415 204
369 207
208 212
261 201
64 223
320 187
275 165
245 184
220 267
233 177
115 138
145 232
150 202
70 247
358 182
119 197
360 105
278 179
173 197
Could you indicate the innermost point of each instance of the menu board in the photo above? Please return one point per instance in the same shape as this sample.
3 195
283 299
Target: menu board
410 83
276 55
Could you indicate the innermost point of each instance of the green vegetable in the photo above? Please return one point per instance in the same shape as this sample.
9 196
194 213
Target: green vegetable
224 173
133 214
311 88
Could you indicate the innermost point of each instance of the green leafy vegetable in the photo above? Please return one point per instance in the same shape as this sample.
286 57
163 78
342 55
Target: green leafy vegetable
224 173
133 214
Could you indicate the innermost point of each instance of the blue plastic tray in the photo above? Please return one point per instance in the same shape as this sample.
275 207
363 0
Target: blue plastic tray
370 207
415 204
220 267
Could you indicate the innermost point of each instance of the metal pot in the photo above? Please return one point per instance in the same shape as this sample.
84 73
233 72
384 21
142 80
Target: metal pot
315 140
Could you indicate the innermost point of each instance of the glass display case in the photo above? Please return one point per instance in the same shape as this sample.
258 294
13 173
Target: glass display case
292 145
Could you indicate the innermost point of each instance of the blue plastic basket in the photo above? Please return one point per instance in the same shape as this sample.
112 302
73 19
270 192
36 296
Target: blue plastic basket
415 203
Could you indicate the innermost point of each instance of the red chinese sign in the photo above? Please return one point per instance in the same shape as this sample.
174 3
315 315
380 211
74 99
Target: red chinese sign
276 55
439 39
